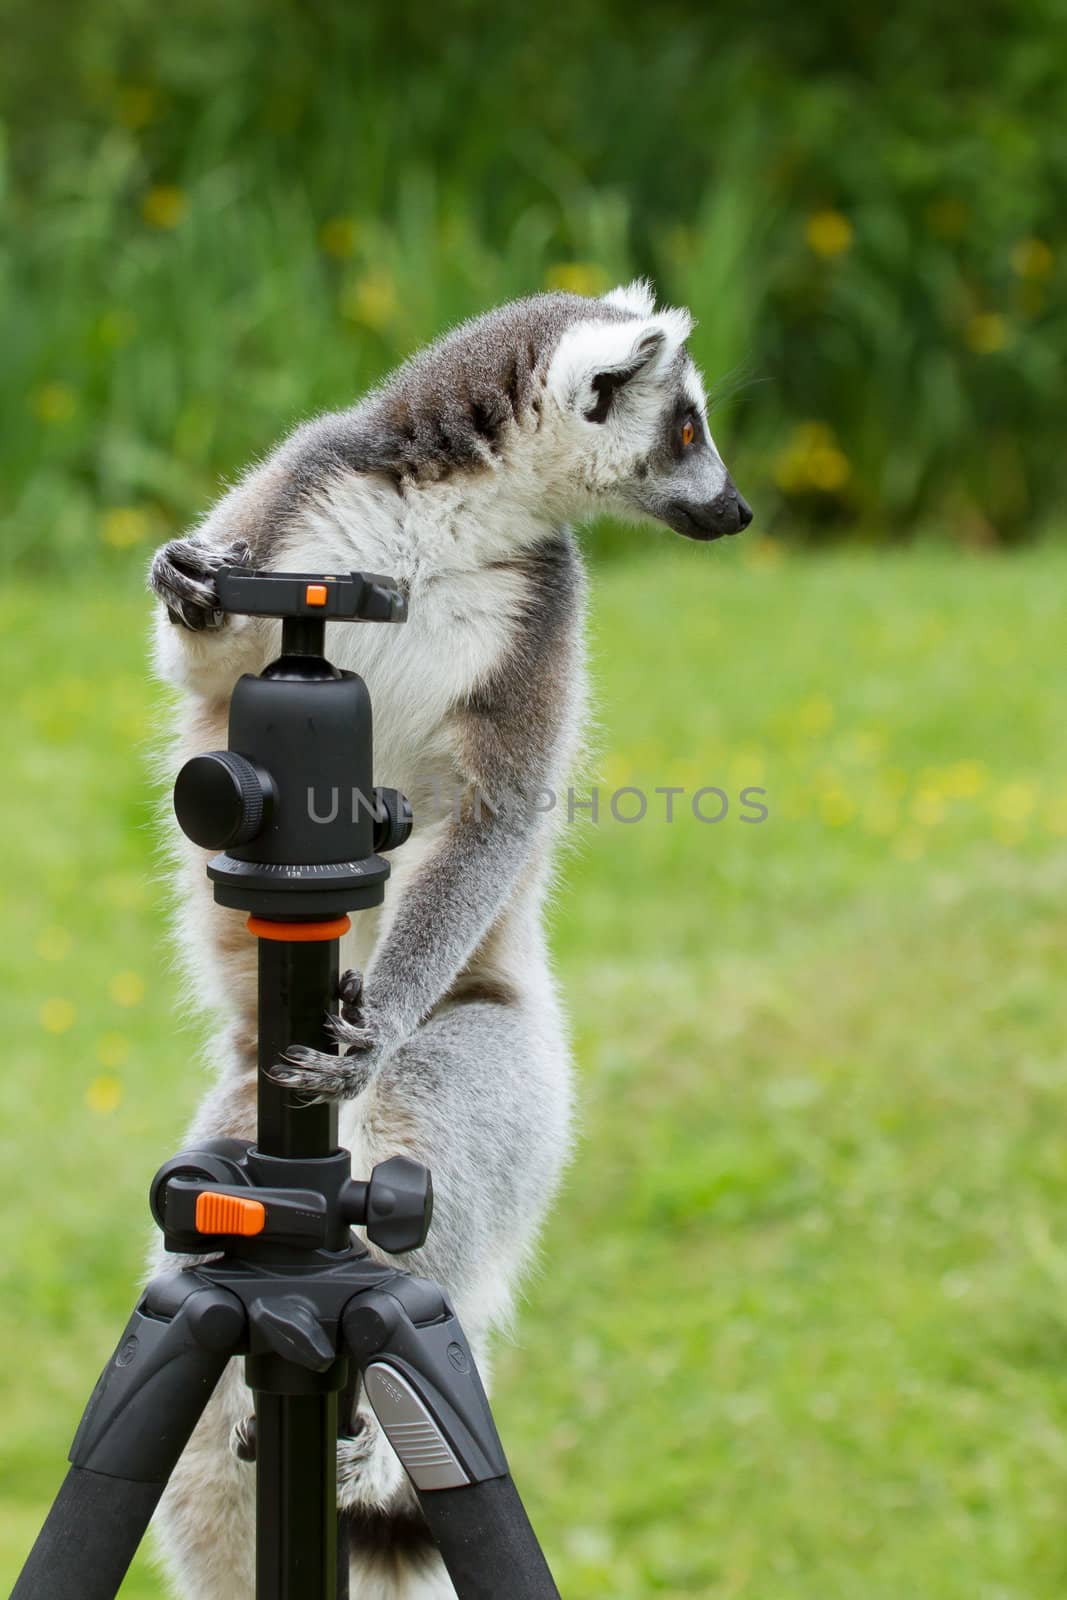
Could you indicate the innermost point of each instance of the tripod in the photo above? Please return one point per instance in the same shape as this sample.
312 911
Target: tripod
301 830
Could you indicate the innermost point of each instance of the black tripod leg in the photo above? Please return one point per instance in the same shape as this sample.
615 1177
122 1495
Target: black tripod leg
145 1405
420 1377
90 1537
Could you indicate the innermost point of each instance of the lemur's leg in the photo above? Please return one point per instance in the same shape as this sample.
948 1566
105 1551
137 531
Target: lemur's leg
481 1095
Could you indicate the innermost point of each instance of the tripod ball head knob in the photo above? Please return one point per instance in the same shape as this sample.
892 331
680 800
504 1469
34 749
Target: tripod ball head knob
222 800
395 1206
394 821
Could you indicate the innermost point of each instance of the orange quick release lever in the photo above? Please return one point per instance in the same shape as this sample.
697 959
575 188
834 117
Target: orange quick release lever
227 1213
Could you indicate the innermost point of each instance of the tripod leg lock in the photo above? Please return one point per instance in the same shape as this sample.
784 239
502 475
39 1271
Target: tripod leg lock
420 1377
151 1393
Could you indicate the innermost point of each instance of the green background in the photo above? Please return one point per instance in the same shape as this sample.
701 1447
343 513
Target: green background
217 218
798 1328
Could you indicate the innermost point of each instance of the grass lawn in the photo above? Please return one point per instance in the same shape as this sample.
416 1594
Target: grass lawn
800 1331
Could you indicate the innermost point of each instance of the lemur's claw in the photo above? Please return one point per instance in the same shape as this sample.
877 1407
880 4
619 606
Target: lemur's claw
319 1076
352 1031
350 994
243 1439
183 576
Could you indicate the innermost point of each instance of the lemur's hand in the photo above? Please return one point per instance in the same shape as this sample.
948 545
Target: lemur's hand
183 577
368 1037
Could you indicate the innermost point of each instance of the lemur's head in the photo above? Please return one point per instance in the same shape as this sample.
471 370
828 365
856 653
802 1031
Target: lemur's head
629 418
576 405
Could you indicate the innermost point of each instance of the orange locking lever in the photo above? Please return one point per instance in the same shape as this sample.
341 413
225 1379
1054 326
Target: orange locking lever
228 1213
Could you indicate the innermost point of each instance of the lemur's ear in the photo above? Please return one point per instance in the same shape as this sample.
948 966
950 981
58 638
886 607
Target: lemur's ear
597 363
638 298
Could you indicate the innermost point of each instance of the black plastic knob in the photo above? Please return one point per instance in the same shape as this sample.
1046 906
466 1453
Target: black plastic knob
291 1326
395 1206
222 800
394 821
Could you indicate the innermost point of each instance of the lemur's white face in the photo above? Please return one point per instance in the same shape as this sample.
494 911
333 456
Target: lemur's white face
631 432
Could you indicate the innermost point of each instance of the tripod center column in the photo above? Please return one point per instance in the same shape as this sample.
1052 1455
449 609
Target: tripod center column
297 991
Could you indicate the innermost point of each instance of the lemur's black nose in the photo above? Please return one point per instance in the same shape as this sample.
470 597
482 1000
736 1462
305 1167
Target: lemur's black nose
729 512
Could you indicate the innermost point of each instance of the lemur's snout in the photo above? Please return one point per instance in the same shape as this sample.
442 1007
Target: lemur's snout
728 512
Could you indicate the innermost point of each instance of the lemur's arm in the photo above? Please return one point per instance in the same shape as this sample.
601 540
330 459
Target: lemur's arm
514 734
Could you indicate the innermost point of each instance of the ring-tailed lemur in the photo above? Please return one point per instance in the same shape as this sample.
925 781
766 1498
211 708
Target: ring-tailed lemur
460 476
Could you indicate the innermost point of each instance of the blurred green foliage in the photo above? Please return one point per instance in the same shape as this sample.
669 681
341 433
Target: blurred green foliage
216 219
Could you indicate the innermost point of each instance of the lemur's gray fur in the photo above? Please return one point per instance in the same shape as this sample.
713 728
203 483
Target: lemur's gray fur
460 476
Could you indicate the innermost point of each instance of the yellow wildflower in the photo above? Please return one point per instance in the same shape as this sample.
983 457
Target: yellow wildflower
812 461
127 989
57 1015
578 277
1032 258
164 206
1014 802
124 526
54 402
928 808
104 1095
828 468
829 233
964 779
815 715
986 333
836 807
1056 816
371 300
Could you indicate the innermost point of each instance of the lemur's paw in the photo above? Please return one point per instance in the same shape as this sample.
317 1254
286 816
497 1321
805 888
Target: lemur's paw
320 1077
366 1038
243 1439
368 1471
183 576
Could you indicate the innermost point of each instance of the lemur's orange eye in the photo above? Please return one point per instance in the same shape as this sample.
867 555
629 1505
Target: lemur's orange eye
689 433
